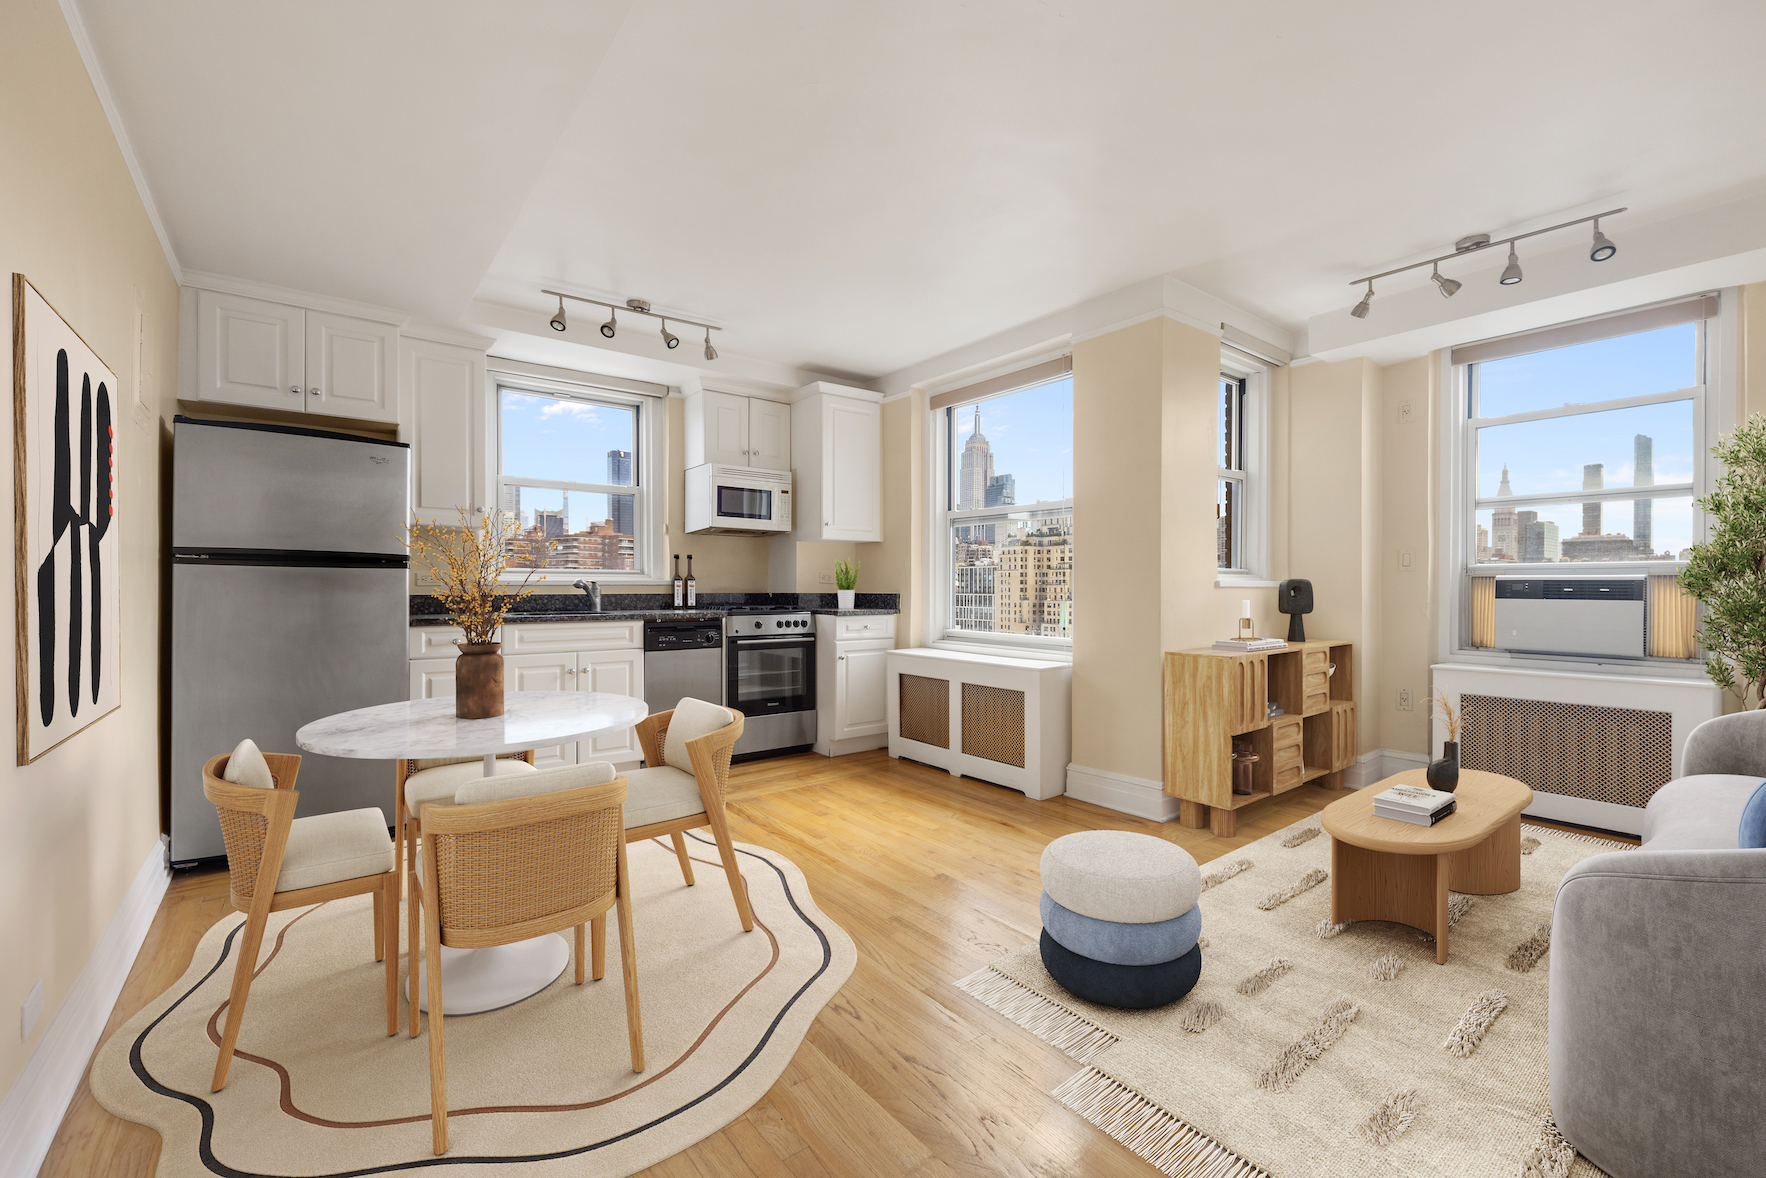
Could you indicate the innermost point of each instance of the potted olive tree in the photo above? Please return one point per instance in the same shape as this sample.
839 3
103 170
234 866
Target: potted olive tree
1727 573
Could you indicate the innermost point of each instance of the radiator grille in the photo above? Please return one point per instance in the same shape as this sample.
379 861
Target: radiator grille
1618 755
925 710
993 724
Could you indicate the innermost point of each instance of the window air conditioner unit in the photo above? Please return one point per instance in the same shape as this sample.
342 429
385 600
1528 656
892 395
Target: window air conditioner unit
1571 615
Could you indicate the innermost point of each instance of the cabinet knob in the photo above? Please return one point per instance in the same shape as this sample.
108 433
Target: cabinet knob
317 393
842 658
295 389
570 670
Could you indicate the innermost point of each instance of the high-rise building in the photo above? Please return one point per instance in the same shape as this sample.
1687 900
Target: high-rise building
512 503
1483 544
619 468
1592 480
974 605
975 469
553 523
1643 510
620 507
1503 544
1539 540
1034 581
1002 490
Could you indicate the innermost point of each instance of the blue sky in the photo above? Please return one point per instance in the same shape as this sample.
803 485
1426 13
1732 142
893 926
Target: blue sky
548 438
1031 433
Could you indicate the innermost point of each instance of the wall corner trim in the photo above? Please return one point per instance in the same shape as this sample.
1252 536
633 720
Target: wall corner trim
32 1111
1381 764
1140 796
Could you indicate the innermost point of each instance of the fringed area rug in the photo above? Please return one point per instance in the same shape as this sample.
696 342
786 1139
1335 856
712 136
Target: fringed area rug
1313 1050
543 1087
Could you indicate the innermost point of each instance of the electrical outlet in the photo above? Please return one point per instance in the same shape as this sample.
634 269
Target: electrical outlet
31 1012
827 578
1404 417
1405 703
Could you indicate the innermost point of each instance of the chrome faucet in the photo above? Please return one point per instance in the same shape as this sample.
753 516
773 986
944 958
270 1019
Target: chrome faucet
593 589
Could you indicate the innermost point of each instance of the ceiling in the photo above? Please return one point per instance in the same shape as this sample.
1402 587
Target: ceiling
854 188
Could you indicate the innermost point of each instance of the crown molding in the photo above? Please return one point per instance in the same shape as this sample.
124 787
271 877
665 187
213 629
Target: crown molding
252 289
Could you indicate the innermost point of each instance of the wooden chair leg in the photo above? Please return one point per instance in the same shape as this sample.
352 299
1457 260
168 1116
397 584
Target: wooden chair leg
628 961
598 938
681 854
242 970
582 967
720 830
389 904
379 924
412 915
438 1060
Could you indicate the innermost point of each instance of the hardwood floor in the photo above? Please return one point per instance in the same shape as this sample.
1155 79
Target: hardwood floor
933 877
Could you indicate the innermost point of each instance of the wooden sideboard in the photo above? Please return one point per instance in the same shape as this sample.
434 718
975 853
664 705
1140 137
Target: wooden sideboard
1213 696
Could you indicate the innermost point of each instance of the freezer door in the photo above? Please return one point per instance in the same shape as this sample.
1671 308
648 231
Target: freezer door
283 489
259 651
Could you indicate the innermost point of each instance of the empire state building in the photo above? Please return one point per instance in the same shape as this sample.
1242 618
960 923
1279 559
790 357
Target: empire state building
975 469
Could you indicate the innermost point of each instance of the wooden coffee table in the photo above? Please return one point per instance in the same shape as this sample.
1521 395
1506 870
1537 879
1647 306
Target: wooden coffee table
1384 869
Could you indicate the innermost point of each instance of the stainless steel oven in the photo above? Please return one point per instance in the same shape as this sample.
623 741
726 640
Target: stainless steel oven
770 677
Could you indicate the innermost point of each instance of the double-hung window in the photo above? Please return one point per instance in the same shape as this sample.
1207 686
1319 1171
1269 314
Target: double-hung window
1241 460
1229 497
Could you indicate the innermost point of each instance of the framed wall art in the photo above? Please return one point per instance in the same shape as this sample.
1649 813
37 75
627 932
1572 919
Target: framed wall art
66 546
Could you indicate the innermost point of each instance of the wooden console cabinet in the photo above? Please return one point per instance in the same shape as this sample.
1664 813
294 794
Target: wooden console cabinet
1213 696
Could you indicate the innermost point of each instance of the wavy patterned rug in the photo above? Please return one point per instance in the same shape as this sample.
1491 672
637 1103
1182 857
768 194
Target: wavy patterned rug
1313 1050
543 1087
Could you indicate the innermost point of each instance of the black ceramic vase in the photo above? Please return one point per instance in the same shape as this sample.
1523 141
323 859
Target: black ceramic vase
1444 774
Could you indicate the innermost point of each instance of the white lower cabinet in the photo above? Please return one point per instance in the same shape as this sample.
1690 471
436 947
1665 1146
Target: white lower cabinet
852 707
620 672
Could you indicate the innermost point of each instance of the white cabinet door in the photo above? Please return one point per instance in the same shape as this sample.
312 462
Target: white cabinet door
861 702
352 367
852 461
620 672
432 678
443 389
250 352
769 434
543 672
726 428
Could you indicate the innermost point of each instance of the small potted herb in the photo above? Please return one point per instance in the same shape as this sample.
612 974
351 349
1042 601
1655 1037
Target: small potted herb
846 581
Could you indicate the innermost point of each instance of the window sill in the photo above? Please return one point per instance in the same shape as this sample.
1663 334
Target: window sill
1004 650
1242 581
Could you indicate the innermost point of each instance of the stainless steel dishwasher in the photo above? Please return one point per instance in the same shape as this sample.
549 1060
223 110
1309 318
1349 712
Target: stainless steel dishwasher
683 658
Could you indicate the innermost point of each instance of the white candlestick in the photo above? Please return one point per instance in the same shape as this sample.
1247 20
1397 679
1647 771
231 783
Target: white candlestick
1245 609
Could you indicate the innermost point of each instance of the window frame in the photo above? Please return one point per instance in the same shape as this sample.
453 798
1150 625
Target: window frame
1253 568
648 474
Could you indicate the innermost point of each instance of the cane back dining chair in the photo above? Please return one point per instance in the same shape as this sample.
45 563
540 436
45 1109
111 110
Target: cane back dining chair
687 757
516 858
276 861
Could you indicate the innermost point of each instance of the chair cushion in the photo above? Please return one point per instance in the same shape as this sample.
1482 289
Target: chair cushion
693 718
246 766
1122 944
1752 834
437 762
437 787
1132 987
327 848
1121 876
508 786
660 794
1698 813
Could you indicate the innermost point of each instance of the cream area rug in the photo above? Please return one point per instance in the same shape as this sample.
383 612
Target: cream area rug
543 1087
1313 1050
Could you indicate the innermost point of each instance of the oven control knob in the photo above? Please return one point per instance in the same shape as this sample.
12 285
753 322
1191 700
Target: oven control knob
757 625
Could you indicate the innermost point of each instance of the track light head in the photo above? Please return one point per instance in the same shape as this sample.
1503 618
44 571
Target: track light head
558 319
710 352
1448 286
611 327
669 338
1360 309
1603 247
1511 274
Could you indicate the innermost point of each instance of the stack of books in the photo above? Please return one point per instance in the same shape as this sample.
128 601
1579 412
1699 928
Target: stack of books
1244 645
1414 804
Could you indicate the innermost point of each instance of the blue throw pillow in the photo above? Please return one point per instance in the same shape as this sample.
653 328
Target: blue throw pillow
1752 835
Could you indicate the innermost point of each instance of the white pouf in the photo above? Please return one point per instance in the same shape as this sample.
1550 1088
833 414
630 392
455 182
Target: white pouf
1120 876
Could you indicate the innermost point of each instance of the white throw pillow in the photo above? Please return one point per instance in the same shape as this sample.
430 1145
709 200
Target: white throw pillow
507 787
693 718
247 767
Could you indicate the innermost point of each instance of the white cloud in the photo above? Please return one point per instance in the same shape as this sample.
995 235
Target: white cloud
575 410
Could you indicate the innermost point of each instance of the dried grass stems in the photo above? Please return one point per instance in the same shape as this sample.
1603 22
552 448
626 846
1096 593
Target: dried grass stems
1449 714
1475 1023
1260 981
1304 884
470 562
1526 955
1226 872
1296 1057
1389 1121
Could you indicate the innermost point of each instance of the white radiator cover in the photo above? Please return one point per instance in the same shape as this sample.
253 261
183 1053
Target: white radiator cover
1005 720
1686 702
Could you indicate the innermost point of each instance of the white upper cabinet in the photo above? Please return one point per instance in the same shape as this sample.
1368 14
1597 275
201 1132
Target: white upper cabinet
250 352
352 367
443 419
837 442
727 429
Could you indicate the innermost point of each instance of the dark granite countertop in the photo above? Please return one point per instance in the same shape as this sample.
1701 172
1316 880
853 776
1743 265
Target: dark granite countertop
606 615
654 607
851 613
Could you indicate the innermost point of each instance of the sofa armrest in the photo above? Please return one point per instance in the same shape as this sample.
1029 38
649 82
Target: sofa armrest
1733 744
1658 1011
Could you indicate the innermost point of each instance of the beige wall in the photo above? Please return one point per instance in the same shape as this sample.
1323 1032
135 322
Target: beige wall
1409 462
81 821
898 564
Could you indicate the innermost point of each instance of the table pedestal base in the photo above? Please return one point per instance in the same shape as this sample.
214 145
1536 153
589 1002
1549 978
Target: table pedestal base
477 980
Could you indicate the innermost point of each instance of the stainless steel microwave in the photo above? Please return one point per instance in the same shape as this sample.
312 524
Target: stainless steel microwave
738 500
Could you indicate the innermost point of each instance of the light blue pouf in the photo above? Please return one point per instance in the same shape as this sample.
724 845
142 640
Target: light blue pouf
1118 943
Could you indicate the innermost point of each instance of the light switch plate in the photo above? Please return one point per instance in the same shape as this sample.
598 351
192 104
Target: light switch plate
31 1012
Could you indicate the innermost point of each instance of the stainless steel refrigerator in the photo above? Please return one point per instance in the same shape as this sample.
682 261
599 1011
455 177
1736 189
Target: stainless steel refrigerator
288 603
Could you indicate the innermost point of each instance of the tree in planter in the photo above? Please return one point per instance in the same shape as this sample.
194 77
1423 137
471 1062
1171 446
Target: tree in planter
1727 573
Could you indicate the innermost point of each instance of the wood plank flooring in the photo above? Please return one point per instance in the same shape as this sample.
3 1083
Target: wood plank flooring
933 877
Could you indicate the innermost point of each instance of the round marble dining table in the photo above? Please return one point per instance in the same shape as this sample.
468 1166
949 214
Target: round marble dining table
475 980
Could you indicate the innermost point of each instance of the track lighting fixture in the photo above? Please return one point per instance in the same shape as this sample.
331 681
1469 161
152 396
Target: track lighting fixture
1511 273
1601 249
637 307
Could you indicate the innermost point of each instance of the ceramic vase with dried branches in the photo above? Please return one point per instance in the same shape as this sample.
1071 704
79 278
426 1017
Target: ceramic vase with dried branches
469 564
1444 774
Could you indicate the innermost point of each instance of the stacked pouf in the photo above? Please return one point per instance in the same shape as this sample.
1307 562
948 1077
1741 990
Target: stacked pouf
1120 924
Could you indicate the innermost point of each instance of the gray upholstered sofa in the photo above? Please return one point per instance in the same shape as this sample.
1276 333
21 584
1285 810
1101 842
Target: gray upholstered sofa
1658 979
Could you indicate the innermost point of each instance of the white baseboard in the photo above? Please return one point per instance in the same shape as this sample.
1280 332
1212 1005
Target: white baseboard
33 1109
1381 764
1140 796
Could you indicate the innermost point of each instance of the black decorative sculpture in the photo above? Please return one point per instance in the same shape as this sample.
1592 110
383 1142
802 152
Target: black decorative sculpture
1294 598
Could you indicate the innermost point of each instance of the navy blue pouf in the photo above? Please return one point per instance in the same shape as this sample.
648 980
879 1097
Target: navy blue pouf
1131 987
